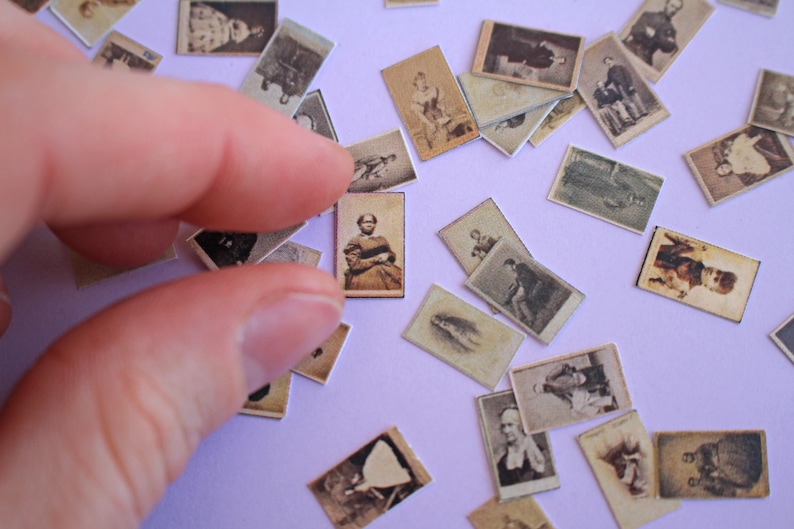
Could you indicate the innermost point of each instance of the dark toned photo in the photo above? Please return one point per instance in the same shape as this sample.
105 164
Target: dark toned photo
225 27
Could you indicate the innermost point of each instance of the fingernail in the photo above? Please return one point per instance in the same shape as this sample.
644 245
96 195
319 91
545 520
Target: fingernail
282 332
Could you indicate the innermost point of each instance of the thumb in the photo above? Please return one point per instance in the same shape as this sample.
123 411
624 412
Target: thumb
110 414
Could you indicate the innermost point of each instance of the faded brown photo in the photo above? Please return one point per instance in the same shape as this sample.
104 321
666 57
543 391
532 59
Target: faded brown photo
120 53
312 114
616 93
90 20
698 274
521 464
369 482
564 110
291 252
528 56
712 465
621 454
381 163
739 161
768 8
510 135
271 399
225 27
523 513
571 388
218 249
409 3
773 106
660 30
463 336
320 363
370 245
430 103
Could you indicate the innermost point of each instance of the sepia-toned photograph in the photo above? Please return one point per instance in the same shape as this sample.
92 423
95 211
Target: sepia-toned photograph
225 27
606 189
291 252
528 56
525 291
493 100
123 54
376 478
381 163
564 110
90 20
739 161
312 114
287 66
370 245
410 3
616 93
773 105
218 249
31 6
660 30
521 464
698 274
510 135
270 400
88 272
466 338
621 454
783 337
768 8
712 464
319 364
523 513
571 388
430 103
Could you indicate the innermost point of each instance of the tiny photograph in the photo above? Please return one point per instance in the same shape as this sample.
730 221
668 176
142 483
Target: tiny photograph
493 100
783 337
616 93
528 56
287 66
430 103
123 54
606 189
466 338
564 110
472 236
768 8
621 454
712 464
739 161
381 163
370 245
410 3
510 135
523 513
659 31
773 105
31 6
312 114
371 481
218 249
521 464
320 363
525 291
698 274
571 388
291 252
87 272
270 400
225 27
90 20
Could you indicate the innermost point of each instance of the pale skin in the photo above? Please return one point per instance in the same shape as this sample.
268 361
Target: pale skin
184 366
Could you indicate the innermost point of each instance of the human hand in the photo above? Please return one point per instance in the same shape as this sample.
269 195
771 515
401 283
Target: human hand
110 413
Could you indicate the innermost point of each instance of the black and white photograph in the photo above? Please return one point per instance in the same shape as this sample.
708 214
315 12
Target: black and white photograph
521 513
90 20
370 245
606 189
783 337
617 94
712 464
660 30
225 27
564 110
286 68
291 252
525 291
312 114
739 161
768 8
773 105
468 339
521 464
368 483
510 135
122 54
381 163
571 388
621 454
270 400
218 249
319 364
528 56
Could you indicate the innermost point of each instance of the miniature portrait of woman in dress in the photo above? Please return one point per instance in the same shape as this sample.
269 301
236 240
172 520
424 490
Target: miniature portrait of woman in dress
226 28
370 259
